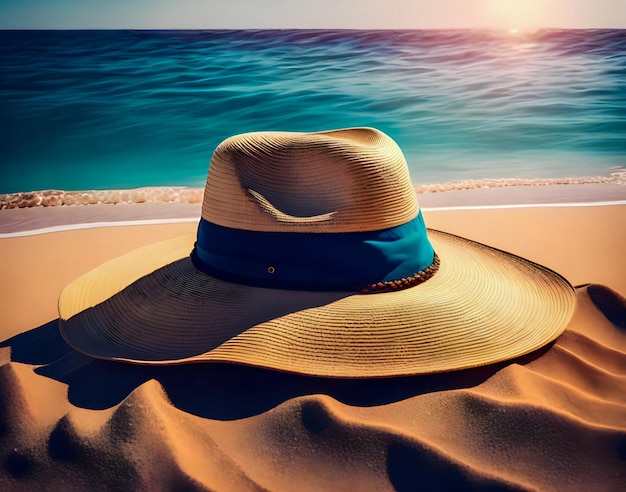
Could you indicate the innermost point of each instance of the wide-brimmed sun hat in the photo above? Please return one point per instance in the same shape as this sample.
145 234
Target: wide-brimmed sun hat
311 256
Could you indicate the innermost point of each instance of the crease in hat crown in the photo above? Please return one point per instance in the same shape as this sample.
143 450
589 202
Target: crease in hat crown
347 180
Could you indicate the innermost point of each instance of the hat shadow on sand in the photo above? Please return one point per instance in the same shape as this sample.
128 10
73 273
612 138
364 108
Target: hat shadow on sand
220 391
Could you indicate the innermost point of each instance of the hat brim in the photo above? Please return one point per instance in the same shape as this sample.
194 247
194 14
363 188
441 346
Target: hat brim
152 306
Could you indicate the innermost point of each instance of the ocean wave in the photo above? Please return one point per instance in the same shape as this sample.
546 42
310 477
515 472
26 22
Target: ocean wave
179 194
124 109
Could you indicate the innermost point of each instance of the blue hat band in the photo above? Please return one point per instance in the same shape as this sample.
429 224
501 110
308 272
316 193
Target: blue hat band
354 261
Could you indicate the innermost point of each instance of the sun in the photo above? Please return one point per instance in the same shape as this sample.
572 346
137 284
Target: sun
514 15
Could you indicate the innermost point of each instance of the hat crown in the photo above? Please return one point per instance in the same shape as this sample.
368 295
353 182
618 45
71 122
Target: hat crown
334 181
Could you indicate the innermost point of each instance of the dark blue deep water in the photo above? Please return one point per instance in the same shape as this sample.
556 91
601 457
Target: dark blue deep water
121 109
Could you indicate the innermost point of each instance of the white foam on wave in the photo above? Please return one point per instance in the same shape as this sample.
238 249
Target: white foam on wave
54 198
617 177
178 194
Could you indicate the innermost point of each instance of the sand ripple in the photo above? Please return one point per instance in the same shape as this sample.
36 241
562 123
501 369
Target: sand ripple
552 420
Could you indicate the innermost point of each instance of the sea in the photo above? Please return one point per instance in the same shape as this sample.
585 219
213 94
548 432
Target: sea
121 109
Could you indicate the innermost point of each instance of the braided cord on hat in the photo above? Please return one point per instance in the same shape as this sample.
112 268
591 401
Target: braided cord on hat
404 282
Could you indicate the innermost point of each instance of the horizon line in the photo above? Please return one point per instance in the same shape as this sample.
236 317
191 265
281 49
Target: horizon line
493 29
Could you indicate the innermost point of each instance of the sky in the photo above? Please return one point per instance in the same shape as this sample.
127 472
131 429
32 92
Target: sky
325 14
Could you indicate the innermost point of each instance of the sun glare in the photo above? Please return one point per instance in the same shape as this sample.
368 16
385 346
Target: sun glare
514 15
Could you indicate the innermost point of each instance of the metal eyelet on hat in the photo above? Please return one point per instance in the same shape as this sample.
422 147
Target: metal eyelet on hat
271 270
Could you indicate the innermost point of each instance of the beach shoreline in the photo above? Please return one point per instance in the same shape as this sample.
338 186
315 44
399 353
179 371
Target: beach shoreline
39 219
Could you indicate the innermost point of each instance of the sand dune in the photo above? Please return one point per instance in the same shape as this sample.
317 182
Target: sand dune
552 420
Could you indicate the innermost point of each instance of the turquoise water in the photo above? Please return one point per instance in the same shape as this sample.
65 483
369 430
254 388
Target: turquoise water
123 109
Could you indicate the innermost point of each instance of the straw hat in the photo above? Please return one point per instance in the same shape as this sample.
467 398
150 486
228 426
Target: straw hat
312 257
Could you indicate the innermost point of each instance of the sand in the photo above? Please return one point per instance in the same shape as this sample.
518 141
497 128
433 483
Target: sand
552 420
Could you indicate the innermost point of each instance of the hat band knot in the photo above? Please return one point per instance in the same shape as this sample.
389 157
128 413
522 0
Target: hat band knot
371 261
